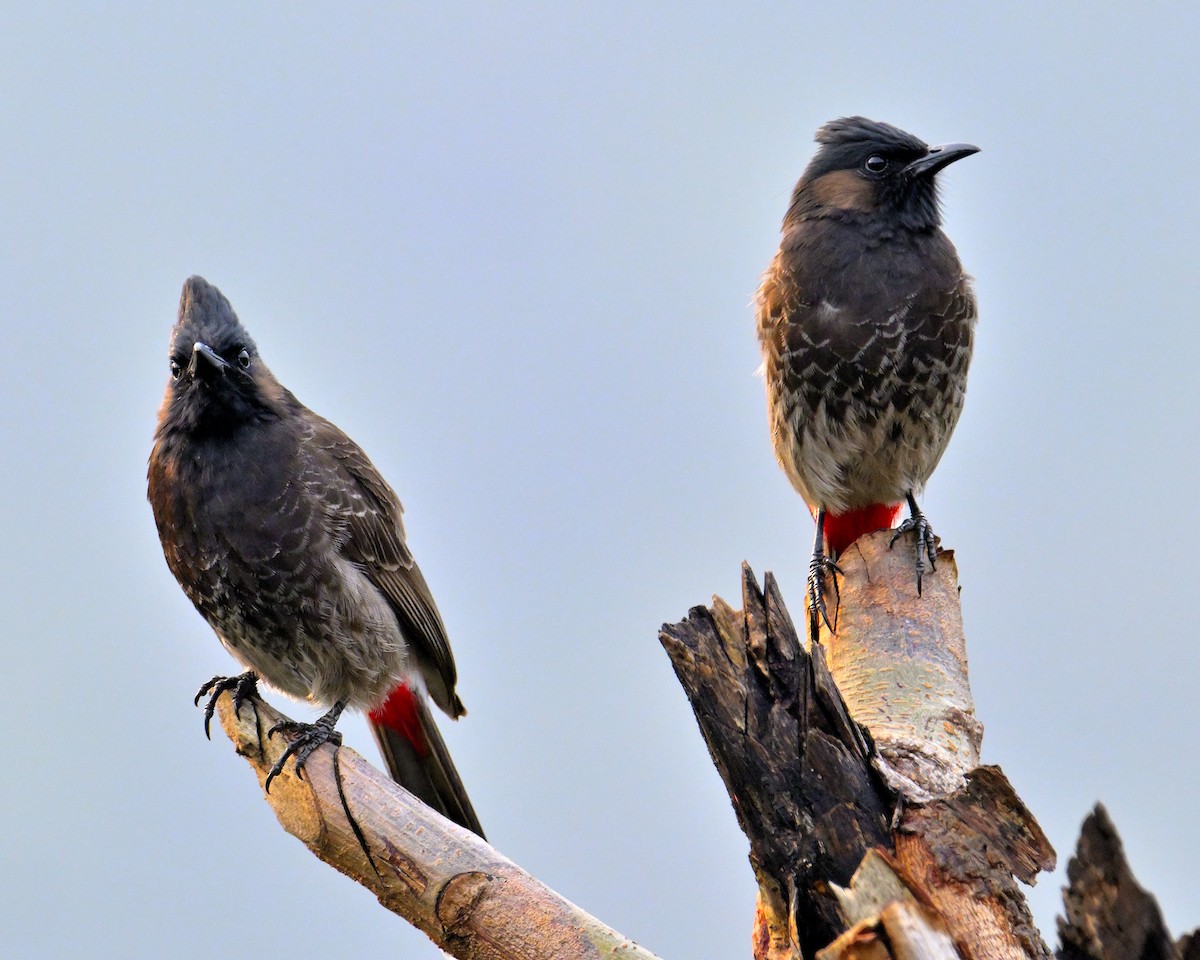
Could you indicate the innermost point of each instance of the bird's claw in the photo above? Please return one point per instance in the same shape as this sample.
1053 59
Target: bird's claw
817 610
309 737
244 687
925 543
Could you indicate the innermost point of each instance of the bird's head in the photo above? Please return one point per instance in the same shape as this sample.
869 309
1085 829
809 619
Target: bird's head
218 382
865 169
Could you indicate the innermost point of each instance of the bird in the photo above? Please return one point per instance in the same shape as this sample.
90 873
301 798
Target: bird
290 544
866 321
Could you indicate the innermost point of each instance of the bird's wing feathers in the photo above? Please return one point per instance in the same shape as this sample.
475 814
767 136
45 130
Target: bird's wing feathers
367 515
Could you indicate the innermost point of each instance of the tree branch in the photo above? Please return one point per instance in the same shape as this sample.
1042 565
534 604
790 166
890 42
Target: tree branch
470 901
853 768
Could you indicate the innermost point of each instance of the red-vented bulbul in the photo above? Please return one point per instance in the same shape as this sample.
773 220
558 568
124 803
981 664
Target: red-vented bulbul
290 544
866 322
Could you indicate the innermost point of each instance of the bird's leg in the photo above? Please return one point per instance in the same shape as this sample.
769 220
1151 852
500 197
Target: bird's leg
309 737
244 686
926 544
816 582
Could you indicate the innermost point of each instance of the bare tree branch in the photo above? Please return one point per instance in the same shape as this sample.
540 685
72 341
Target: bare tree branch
469 900
853 767
900 662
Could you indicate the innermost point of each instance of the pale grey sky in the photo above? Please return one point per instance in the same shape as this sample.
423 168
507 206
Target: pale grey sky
511 252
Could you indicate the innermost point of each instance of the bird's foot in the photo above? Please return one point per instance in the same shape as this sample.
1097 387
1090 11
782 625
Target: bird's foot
817 610
309 736
244 687
924 541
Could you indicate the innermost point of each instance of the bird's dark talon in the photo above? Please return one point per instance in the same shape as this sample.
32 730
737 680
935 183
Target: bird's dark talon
204 690
817 568
816 597
244 686
309 736
924 541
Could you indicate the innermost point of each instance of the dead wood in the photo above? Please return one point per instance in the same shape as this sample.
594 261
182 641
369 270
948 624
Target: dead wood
471 901
1108 914
852 765
864 745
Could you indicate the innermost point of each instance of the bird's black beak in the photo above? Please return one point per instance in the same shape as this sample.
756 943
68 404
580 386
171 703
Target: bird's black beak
205 362
939 157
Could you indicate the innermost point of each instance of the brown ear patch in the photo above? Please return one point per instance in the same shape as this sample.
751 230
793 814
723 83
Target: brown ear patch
844 190
271 389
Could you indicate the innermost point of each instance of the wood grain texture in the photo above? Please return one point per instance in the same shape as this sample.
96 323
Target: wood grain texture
795 764
967 852
900 662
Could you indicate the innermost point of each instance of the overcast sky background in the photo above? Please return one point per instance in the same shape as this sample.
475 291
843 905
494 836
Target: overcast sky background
512 252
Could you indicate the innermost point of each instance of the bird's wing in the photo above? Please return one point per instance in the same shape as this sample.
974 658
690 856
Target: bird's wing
367 518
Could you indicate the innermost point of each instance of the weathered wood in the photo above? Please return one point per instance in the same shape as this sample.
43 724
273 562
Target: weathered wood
796 766
1108 914
886 918
849 866
966 852
817 794
471 901
900 661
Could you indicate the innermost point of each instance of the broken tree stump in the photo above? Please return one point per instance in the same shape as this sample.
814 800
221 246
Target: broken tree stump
1108 914
852 764
821 780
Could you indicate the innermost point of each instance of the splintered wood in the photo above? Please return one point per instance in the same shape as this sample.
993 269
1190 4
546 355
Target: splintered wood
853 770
1108 914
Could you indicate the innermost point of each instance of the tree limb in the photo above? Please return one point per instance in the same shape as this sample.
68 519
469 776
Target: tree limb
467 898
852 764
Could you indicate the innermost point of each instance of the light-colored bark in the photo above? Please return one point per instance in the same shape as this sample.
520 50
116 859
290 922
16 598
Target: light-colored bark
784 719
900 662
471 901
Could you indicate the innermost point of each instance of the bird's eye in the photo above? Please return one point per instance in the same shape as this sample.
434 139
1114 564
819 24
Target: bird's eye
176 369
875 164
244 359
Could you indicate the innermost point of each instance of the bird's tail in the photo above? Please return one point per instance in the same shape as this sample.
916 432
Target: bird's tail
842 529
417 758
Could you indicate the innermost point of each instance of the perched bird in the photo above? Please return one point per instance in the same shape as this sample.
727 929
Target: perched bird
290 544
866 321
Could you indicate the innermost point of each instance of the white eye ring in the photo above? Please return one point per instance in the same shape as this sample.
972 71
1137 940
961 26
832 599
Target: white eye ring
876 164
176 369
244 359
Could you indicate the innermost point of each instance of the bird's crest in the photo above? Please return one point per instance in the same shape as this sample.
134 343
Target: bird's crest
860 130
206 315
